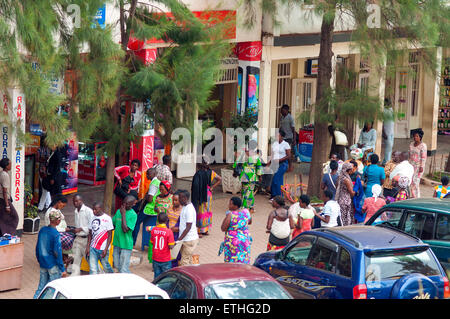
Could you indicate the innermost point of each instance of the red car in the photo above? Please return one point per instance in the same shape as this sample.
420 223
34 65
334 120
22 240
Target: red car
220 281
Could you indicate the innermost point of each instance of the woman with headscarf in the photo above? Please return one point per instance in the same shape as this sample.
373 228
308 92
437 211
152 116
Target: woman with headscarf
374 203
163 202
402 185
417 158
344 194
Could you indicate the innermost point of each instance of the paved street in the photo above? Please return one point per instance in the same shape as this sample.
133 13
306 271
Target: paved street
207 248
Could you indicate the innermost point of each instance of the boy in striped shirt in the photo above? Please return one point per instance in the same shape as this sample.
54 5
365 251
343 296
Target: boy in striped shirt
99 240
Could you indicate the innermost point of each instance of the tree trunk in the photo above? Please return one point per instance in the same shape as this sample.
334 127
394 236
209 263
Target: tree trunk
322 139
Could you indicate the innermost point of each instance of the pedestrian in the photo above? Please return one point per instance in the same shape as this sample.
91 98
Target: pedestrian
204 219
163 201
373 174
344 194
124 222
250 175
237 240
358 189
128 179
45 199
333 157
388 189
49 253
173 215
163 171
148 204
329 180
279 225
367 138
9 219
163 241
417 158
404 168
187 229
402 183
331 213
281 154
83 217
303 217
440 191
287 125
388 130
374 203
199 196
99 240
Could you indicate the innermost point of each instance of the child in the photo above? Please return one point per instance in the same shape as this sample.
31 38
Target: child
162 240
303 217
402 183
440 191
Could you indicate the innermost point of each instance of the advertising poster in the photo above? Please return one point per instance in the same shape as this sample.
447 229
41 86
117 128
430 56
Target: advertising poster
253 89
239 91
69 166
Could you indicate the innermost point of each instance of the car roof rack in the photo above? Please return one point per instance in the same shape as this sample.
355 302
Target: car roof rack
398 230
356 243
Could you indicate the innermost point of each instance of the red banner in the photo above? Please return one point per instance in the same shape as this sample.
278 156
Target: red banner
249 51
143 151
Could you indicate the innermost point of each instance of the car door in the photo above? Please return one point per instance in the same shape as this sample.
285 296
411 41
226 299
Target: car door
419 224
320 276
440 244
289 268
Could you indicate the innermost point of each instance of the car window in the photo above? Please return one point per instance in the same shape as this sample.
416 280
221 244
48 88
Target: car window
183 290
60 296
420 224
134 297
48 293
167 283
391 217
299 253
250 289
155 297
393 265
324 255
344 267
443 227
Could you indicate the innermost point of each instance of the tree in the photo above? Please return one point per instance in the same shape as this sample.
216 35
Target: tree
401 25
36 44
178 83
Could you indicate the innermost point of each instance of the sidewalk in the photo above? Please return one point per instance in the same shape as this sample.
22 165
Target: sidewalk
208 246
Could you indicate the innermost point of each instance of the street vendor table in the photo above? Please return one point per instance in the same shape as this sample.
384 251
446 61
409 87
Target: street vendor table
11 262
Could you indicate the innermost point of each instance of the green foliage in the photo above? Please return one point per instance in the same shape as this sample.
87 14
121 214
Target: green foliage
30 210
244 121
47 48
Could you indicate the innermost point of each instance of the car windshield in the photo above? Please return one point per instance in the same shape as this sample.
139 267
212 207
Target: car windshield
395 264
246 290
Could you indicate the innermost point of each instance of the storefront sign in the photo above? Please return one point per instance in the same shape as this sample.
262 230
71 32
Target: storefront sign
249 51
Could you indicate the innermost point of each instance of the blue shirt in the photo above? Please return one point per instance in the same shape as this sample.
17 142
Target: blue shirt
48 248
373 174
330 182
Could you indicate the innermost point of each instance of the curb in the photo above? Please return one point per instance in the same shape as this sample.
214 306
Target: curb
429 182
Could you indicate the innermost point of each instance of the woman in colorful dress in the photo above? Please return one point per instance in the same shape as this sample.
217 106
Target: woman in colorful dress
417 158
252 170
174 222
163 202
237 237
344 194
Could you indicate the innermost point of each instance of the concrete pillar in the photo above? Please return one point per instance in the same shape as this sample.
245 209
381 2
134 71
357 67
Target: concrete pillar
377 82
430 109
13 147
264 102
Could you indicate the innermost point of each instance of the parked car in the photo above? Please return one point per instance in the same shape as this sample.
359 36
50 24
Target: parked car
220 281
102 286
426 218
358 262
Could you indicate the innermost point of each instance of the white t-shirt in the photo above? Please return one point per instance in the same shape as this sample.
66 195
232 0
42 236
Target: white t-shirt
279 149
333 210
100 225
188 215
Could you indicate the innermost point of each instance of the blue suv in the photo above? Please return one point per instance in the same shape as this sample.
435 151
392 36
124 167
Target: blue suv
357 262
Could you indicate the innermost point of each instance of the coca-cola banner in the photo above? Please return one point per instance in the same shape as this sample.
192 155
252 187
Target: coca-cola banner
249 51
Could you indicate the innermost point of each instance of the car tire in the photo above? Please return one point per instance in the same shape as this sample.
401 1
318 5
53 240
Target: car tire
414 286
